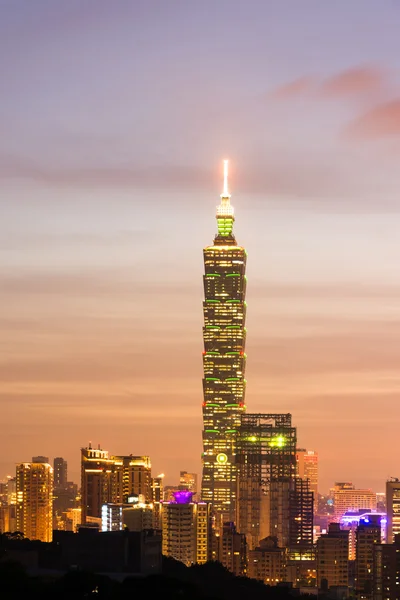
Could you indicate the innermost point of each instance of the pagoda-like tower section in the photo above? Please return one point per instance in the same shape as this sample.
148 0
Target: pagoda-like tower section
224 359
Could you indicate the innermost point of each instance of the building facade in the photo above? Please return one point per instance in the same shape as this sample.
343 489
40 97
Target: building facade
368 535
97 482
188 481
349 498
392 508
332 558
307 468
351 520
112 479
266 463
267 562
60 467
34 509
186 529
301 520
224 360
232 550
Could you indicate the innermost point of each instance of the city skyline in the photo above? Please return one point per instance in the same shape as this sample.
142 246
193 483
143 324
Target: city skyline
114 127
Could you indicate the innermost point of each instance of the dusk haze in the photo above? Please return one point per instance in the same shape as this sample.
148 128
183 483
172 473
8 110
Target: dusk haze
116 241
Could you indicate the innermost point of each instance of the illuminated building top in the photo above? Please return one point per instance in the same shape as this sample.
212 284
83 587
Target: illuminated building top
225 215
183 496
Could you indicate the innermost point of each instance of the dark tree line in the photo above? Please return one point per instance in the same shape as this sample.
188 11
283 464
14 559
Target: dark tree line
177 582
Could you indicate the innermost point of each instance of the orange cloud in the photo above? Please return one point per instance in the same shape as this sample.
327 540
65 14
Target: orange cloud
359 80
381 121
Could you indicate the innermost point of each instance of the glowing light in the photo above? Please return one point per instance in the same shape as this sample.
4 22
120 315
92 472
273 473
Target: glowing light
183 496
278 441
226 193
222 458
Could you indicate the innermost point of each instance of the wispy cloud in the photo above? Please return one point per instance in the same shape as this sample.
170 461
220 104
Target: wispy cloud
358 81
294 89
382 121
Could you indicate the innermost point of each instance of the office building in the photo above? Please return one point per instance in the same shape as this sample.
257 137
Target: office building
138 517
34 508
351 520
232 550
266 463
133 477
307 468
157 497
301 521
368 534
392 508
348 498
40 459
267 562
224 360
73 518
111 517
186 529
332 558
386 575
60 467
188 481
98 482
111 479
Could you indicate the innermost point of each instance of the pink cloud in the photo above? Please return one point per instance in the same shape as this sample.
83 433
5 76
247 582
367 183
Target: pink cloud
381 121
293 89
359 80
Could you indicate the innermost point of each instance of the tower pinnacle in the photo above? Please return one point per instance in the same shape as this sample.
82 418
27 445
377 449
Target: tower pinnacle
225 193
225 214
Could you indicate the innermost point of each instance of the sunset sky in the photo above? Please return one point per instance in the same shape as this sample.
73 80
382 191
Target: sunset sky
115 118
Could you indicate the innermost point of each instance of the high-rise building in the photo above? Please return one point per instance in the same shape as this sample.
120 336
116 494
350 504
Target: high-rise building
224 359
34 508
267 562
301 520
351 520
60 467
348 498
307 468
111 479
97 482
40 459
266 463
332 558
135 477
188 481
231 550
186 529
157 487
138 517
386 570
368 535
393 508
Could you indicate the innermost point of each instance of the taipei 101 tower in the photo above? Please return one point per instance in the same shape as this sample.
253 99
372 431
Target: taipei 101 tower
224 359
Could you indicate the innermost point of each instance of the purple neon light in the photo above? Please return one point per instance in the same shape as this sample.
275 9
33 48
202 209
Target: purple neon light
183 496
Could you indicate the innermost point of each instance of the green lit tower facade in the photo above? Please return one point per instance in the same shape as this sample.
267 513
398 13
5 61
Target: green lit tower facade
224 360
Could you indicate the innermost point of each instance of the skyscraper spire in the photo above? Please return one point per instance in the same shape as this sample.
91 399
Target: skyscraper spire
225 193
225 214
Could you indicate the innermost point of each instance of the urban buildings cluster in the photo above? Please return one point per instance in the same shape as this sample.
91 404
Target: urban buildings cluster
258 509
